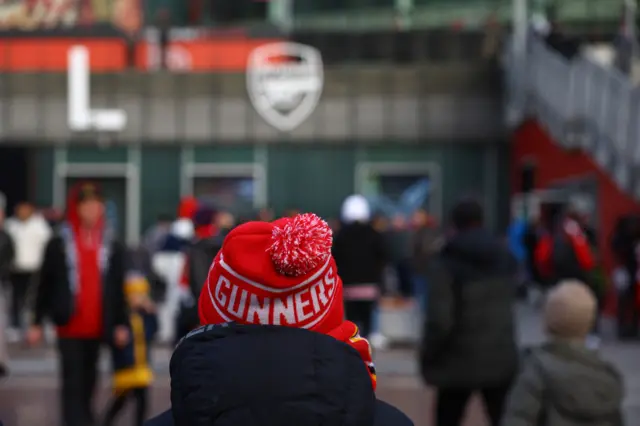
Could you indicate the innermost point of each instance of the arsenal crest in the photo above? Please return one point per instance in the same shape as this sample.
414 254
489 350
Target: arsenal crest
284 81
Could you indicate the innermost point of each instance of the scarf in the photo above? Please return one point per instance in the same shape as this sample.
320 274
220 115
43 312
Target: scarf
206 231
348 333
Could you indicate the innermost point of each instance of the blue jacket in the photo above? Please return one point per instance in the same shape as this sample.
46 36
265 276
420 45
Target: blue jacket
251 375
516 234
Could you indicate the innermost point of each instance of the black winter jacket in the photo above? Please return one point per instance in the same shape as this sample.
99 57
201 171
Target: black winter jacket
6 254
469 339
360 254
54 298
251 375
200 255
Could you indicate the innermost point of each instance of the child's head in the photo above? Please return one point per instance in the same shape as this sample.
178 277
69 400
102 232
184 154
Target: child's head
570 310
137 290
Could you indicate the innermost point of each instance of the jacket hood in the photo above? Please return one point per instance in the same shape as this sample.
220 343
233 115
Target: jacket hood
478 247
72 204
580 383
355 208
232 374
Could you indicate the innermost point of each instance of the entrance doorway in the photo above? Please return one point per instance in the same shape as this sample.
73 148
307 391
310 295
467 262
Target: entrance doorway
401 188
239 188
235 194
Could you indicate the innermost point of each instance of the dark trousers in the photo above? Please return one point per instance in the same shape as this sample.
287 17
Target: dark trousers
452 403
20 286
139 395
78 375
404 272
360 312
628 314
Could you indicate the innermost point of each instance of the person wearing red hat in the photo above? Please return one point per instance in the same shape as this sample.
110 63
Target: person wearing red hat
280 273
273 319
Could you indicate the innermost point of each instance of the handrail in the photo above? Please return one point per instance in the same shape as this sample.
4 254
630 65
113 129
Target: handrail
581 103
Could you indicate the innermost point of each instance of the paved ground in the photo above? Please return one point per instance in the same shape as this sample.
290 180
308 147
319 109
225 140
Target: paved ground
28 397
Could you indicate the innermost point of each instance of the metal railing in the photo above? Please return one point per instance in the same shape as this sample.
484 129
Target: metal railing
582 104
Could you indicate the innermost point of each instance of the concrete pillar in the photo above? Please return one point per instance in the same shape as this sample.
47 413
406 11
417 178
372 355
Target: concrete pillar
280 14
404 11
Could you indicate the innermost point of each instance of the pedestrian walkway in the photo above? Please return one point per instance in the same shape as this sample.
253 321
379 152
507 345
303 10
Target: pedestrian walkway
29 395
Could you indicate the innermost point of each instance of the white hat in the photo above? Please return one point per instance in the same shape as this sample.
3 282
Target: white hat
355 208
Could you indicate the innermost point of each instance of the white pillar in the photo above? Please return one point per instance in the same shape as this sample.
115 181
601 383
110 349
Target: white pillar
404 9
520 27
280 13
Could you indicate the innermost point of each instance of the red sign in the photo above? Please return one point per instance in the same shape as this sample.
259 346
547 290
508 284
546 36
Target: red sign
50 54
111 54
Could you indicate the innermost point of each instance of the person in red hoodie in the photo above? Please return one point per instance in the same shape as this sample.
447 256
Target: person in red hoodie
81 290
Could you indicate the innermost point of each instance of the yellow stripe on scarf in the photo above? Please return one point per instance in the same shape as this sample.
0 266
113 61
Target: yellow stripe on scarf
140 374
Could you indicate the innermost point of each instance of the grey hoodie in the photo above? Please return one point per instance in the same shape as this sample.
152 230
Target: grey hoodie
565 384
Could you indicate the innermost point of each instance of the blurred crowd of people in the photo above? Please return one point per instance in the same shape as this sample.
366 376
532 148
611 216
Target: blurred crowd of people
199 279
559 241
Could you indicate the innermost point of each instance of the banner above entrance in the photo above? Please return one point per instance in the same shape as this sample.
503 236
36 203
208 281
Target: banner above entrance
112 54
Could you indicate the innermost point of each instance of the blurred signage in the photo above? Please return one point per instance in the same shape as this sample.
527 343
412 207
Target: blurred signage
81 116
31 15
285 82
50 54
199 54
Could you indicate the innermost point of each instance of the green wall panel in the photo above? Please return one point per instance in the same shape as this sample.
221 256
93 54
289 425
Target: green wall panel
159 183
318 178
223 154
462 173
391 154
94 154
43 158
314 179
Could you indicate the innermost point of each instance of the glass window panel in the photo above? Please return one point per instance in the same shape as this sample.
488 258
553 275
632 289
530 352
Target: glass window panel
226 193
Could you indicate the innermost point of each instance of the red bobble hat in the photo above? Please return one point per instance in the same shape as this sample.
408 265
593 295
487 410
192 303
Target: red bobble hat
278 273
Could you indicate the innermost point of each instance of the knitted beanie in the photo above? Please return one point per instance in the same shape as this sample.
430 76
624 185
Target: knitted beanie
278 273
570 310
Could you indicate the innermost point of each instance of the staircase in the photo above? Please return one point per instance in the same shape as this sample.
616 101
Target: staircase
582 103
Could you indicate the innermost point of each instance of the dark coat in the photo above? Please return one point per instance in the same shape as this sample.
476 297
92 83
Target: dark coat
54 298
425 245
6 254
469 334
250 375
200 255
132 363
143 327
360 254
139 259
